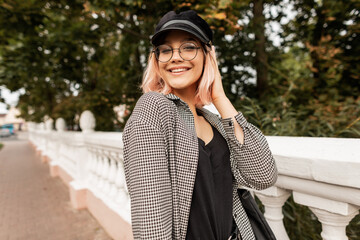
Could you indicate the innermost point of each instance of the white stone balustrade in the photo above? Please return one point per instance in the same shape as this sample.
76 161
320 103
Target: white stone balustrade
321 173
106 171
92 161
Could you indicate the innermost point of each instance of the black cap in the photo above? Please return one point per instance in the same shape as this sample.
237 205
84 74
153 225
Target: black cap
187 21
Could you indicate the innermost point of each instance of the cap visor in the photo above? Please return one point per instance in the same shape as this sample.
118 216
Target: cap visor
156 37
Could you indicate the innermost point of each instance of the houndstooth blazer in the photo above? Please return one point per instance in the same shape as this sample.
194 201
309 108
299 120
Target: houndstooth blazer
160 160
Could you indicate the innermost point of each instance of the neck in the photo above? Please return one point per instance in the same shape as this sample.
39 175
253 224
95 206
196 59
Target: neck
188 96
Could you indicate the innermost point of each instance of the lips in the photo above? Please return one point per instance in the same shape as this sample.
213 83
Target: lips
178 69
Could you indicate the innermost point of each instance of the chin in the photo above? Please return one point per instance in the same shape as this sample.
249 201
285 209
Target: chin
181 84
178 87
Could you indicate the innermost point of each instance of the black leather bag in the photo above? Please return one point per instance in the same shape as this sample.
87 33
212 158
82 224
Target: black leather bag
258 222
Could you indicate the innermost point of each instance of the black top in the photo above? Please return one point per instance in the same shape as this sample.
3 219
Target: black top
211 207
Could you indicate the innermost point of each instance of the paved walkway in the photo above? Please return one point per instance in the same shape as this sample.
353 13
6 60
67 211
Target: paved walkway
35 206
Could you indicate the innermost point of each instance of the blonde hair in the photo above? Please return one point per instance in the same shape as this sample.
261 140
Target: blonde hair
153 82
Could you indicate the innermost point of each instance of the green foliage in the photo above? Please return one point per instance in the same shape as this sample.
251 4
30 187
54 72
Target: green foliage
44 56
353 229
1 146
290 107
300 222
328 30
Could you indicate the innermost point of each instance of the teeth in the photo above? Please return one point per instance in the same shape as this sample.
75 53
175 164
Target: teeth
178 70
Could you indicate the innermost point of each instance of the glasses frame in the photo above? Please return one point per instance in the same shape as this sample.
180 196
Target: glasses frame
172 52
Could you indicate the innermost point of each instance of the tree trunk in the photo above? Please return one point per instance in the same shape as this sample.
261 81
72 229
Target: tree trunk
315 41
261 56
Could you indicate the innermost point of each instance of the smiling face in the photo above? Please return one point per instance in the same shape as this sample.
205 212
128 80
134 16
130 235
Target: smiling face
177 72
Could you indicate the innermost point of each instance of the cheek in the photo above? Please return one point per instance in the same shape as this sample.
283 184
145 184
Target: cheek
201 62
200 66
162 69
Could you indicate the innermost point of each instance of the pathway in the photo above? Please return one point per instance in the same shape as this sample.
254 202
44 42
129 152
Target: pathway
35 206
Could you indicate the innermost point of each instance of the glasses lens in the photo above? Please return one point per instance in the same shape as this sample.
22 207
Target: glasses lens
188 51
163 53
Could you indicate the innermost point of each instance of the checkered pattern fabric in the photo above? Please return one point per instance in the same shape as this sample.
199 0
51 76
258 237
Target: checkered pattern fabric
160 160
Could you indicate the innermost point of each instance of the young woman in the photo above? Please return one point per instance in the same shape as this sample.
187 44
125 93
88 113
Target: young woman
183 163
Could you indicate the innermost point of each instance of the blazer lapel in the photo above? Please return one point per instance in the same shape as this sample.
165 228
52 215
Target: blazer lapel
186 161
186 168
214 120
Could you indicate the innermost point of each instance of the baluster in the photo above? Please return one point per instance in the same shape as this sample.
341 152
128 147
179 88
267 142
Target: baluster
126 190
119 179
273 199
112 176
105 174
127 206
333 225
97 167
333 215
120 182
99 171
92 166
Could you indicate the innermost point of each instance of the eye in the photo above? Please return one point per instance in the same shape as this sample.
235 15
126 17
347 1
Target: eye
164 49
188 47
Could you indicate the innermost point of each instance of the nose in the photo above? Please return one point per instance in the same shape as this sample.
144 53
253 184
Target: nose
176 55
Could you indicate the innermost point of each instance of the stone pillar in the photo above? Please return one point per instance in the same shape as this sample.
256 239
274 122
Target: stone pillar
87 122
333 215
60 125
49 125
273 199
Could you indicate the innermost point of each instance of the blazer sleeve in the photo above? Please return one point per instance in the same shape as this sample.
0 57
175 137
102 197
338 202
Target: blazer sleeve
255 165
148 180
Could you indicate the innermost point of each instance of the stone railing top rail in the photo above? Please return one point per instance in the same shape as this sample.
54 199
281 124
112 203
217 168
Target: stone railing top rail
105 139
334 149
330 160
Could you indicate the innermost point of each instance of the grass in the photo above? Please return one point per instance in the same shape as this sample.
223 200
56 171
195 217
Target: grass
1 145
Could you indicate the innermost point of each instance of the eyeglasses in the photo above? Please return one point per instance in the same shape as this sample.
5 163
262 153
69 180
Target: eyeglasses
187 51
